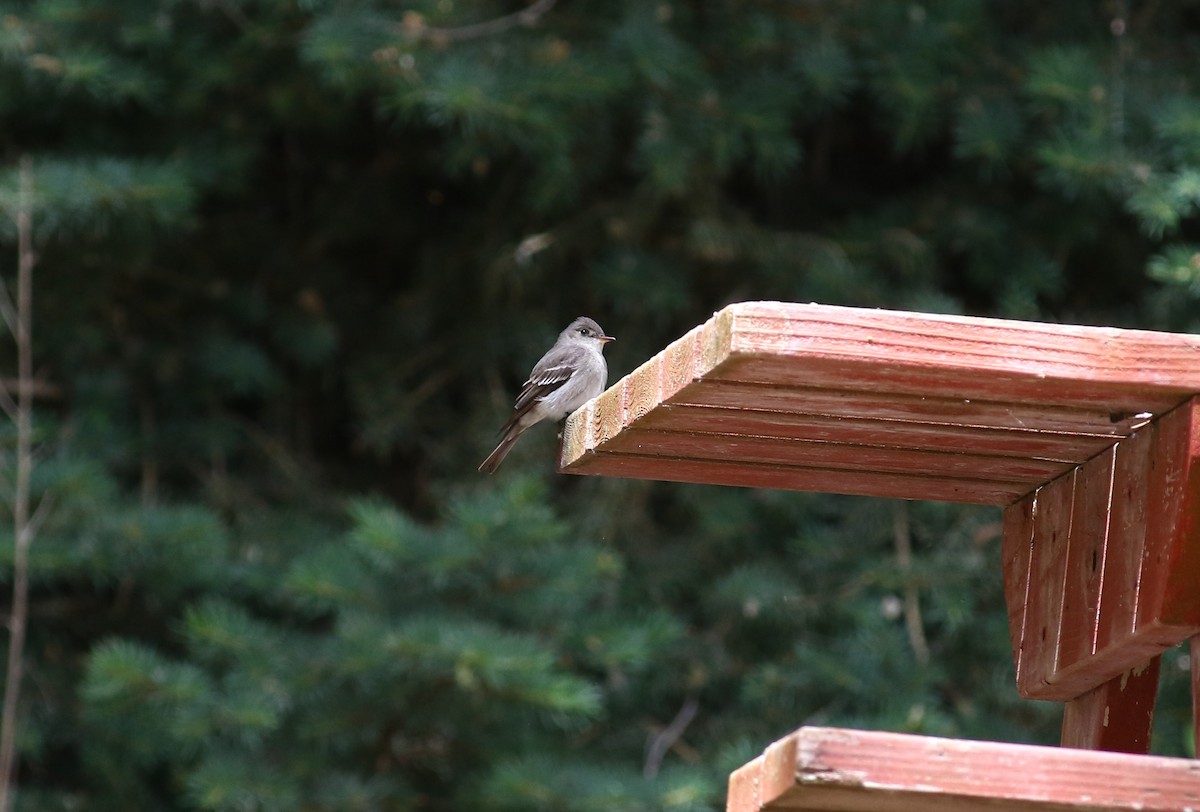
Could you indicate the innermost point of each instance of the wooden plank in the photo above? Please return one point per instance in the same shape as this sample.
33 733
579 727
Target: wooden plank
767 777
922 408
1047 575
743 794
1168 603
1055 446
683 362
661 377
605 417
1084 570
1046 363
1116 716
861 771
1101 353
1016 548
928 384
773 451
877 373
1126 540
799 478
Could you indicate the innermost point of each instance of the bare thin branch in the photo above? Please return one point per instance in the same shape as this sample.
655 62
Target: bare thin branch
667 737
39 387
8 311
149 459
8 404
234 14
525 17
912 597
22 327
39 516
40 453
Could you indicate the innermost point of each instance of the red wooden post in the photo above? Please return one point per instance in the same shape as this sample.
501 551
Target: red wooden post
1196 695
1117 715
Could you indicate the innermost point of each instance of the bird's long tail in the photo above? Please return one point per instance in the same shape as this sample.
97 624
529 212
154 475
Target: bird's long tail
496 457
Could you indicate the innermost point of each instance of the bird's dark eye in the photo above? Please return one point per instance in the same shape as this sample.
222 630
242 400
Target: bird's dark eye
583 331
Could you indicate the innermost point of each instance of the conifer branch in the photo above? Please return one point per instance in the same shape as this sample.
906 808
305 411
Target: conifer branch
415 27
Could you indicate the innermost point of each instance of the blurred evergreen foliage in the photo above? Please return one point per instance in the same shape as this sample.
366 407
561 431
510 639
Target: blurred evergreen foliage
295 259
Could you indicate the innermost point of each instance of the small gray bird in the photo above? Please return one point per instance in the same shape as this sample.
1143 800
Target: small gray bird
568 376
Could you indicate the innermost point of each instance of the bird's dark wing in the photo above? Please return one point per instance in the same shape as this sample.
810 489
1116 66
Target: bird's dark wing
549 374
544 379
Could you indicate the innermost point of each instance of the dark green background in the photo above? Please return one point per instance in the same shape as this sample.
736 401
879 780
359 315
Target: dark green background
295 259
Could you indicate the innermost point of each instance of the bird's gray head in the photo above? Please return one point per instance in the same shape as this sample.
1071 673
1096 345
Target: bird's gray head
585 331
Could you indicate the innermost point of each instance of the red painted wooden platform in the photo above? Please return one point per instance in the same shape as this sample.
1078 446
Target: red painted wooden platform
1088 437
858 771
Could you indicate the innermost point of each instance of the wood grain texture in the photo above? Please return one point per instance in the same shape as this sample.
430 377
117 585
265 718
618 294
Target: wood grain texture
1046 363
813 387
1116 716
1126 540
1086 554
853 430
1114 573
1195 656
853 771
930 408
1047 574
824 480
808 453
1016 554
1169 588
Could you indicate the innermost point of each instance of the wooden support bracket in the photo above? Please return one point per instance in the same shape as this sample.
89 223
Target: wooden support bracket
1102 565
